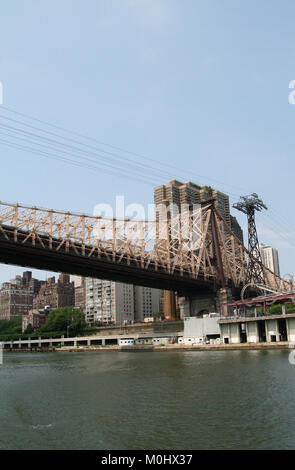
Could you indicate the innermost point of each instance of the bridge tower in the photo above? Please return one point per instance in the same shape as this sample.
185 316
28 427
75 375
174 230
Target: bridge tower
248 205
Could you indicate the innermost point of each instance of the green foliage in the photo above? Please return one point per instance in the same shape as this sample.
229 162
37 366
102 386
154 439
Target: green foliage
90 330
159 315
64 319
13 326
29 329
276 309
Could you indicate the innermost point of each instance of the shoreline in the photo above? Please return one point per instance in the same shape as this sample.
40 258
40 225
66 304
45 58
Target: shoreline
165 348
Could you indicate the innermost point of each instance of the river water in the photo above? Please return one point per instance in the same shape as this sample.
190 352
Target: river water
125 400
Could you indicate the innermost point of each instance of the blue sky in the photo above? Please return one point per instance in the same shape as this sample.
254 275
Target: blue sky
198 84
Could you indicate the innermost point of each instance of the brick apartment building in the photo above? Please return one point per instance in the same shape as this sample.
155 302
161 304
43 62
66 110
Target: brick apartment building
55 294
15 300
34 318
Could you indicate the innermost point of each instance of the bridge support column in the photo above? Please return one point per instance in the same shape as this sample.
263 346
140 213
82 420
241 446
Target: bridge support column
89 342
75 343
62 340
39 344
169 305
185 307
19 344
203 304
103 342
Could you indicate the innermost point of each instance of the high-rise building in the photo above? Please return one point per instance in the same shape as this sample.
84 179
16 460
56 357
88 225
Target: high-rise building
146 303
55 294
36 285
27 276
270 258
108 302
117 303
178 193
15 299
80 292
236 228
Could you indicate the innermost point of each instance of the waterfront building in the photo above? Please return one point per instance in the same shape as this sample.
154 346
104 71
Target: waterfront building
108 302
55 294
201 330
270 258
146 303
35 318
268 319
80 292
26 280
118 303
15 299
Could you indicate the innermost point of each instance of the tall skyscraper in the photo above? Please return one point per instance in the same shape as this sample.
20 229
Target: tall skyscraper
178 193
270 258
190 193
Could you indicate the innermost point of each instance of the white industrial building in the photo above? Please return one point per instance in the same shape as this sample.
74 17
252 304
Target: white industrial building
201 330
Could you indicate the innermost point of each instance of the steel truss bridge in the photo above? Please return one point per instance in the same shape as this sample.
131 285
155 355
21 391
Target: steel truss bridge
186 253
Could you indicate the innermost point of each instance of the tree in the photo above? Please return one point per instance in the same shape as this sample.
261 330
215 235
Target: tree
65 319
29 329
14 325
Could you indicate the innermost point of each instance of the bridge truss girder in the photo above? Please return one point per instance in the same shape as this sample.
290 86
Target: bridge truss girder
193 248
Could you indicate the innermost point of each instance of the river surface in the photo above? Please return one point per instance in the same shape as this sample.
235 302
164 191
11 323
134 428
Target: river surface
125 400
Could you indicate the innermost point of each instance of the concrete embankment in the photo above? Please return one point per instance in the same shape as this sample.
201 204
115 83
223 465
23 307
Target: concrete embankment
165 348
182 347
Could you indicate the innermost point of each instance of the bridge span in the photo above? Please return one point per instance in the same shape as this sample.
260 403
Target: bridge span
192 254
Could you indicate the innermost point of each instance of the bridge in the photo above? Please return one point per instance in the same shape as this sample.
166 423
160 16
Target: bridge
187 253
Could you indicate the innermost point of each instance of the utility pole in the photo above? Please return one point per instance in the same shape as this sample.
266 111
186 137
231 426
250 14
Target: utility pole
248 205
